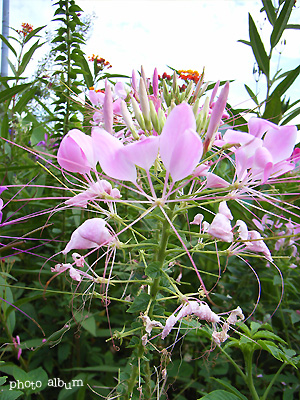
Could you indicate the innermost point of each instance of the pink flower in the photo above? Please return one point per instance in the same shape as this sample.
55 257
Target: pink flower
220 228
101 189
180 145
92 233
264 151
76 152
197 308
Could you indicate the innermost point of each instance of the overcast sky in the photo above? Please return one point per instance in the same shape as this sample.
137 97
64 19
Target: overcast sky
187 34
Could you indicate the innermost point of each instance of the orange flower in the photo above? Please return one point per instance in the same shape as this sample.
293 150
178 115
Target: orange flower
26 28
101 61
189 75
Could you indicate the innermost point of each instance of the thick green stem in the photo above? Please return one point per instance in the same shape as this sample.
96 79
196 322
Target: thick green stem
249 377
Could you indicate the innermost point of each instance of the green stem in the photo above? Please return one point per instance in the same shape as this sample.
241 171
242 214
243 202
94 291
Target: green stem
249 377
272 382
155 288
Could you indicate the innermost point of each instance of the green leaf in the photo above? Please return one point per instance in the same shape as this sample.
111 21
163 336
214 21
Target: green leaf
258 48
292 26
220 395
11 394
153 269
5 127
33 33
273 109
6 294
3 38
286 83
271 348
281 22
27 57
24 100
140 303
245 42
251 94
230 388
267 335
87 321
9 93
269 9
38 374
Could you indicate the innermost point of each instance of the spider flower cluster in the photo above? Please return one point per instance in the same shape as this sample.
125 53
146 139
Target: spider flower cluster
163 153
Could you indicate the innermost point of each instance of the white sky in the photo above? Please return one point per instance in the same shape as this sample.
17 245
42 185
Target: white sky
186 34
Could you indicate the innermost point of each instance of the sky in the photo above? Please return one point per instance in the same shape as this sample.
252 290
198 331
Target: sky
184 34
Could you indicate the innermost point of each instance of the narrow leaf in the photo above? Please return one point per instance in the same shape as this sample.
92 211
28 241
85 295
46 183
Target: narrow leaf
287 82
251 94
9 93
27 57
258 48
8 44
281 22
269 9
26 97
292 26
33 33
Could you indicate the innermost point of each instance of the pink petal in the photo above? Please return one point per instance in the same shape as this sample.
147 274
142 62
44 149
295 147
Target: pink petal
258 126
223 209
111 157
242 229
215 117
280 142
92 233
258 245
76 153
214 181
220 228
180 146
142 153
120 90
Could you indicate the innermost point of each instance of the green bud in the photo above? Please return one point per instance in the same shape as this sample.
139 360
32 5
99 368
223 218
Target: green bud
137 113
154 117
188 91
196 108
166 94
128 120
144 100
161 119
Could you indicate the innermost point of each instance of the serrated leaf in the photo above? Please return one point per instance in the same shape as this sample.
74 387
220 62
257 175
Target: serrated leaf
267 335
140 303
219 395
281 22
153 269
258 48
230 388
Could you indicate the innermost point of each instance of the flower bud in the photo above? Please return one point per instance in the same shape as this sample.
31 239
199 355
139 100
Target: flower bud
153 116
161 119
108 109
145 104
137 113
155 83
128 120
166 94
